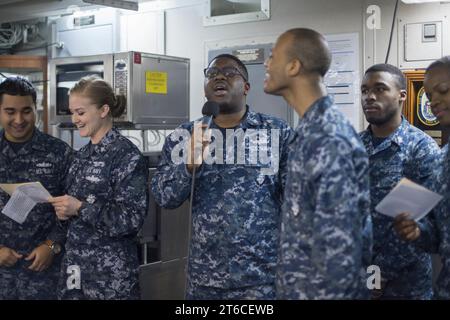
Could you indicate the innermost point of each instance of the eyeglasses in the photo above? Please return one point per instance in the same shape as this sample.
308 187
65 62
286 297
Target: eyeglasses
227 72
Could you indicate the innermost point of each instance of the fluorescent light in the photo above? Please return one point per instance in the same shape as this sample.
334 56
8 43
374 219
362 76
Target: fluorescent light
422 1
121 4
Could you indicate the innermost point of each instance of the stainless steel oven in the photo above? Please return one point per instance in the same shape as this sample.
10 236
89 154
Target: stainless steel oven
156 86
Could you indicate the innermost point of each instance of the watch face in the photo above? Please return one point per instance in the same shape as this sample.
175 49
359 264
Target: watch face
56 248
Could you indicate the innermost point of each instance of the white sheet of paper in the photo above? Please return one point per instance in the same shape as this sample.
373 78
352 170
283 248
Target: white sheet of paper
19 206
24 197
34 190
410 197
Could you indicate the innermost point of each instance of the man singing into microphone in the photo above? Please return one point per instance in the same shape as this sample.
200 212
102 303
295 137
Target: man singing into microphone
237 200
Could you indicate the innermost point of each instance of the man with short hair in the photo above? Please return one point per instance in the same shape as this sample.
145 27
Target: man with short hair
30 253
325 230
396 150
237 197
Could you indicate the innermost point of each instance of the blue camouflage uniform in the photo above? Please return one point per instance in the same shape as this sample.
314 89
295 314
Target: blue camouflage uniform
45 159
111 180
435 235
235 213
408 152
325 230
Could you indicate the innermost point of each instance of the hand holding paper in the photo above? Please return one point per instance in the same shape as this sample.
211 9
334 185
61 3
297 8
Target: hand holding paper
406 228
65 206
410 197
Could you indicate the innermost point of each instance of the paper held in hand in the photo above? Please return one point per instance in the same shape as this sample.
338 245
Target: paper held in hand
24 196
409 197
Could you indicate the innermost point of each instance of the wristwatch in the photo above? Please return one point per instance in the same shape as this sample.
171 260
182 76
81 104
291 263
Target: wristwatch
54 246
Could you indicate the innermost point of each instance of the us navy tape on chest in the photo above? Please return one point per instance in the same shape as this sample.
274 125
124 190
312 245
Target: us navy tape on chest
94 173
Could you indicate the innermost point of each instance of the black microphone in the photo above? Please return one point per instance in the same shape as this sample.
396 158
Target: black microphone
210 110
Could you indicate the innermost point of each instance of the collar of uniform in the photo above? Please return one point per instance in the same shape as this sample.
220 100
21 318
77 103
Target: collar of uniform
4 145
102 146
252 119
317 108
396 137
37 143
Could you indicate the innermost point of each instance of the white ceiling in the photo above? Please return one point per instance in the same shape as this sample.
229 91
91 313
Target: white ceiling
10 2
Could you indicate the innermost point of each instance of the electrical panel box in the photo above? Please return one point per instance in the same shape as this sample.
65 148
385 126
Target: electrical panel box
88 33
422 42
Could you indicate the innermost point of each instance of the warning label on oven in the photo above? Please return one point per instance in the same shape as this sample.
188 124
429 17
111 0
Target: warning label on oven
156 82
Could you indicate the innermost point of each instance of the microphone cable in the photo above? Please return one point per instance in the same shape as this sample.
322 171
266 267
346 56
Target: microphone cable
210 109
190 226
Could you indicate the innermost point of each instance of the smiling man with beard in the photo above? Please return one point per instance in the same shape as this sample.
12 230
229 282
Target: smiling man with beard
236 206
396 149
